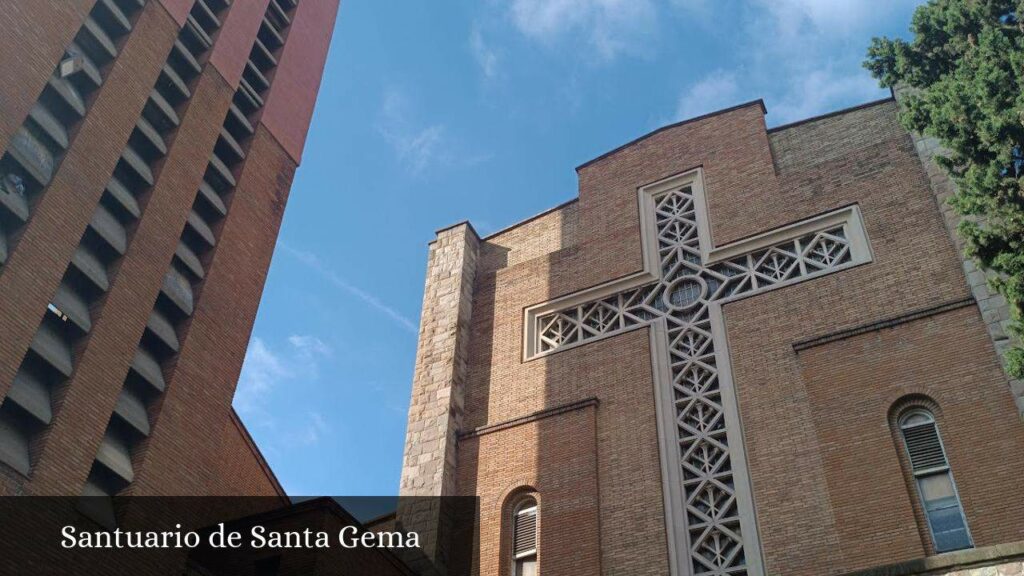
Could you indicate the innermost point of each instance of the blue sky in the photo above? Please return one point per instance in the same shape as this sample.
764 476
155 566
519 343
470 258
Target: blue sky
435 112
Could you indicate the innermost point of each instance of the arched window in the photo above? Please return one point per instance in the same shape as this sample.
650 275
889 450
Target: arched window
524 538
935 486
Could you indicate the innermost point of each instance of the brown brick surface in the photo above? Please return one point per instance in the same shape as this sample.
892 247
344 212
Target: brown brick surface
289 108
563 475
234 41
871 502
41 255
995 310
544 234
79 423
816 423
35 35
197 445
914 267
628 479
247 471
200 388
731 147
178 9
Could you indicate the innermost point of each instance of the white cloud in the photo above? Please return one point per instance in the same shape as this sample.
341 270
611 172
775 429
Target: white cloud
312 261
261 371
309 347
545 19
819 91
799 33
315 427
694 5
610 27
485 57
419 145
265 369
834 17
716 91
802 56
818 46
419 148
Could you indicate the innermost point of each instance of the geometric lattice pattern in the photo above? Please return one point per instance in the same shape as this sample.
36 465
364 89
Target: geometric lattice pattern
682 297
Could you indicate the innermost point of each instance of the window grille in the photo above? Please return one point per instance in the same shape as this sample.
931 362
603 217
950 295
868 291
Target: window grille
939 498
524 538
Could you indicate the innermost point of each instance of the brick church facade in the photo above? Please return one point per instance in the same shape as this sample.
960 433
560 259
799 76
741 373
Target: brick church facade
148 150
739 351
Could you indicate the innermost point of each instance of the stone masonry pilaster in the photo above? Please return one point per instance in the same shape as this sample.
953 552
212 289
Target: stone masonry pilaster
435 411
438 389
995 310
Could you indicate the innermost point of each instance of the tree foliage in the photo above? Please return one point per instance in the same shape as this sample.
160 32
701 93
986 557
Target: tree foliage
964 69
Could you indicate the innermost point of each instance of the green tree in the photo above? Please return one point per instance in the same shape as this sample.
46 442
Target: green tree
964 69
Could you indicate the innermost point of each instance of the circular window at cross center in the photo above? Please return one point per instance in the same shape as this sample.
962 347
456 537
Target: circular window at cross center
683 293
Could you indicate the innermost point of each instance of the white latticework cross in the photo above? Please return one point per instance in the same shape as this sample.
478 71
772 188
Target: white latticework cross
711 523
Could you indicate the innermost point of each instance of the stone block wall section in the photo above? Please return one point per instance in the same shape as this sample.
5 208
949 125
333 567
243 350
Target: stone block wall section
435 413
995 310
438 389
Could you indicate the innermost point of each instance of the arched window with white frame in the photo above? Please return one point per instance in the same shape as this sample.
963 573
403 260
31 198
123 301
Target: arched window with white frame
947 523
524 537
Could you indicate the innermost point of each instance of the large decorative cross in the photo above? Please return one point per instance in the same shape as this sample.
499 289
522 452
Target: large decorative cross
709 509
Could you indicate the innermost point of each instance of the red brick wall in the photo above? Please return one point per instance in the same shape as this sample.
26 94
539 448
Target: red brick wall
544 234
41 256
178 9
200 389
78 425
235 39
34 38
871 503
243 469
296 82
502 465
857 157
183 454
732 147
800 412
627 485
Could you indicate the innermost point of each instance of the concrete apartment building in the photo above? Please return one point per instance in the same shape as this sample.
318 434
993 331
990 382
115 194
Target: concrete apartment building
148 148
740 351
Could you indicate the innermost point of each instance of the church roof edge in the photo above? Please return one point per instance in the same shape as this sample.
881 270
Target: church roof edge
251 443
555 208
456 225
839 112
759 102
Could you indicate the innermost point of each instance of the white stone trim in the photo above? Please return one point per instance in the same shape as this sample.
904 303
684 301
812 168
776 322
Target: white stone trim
671 482
737 449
